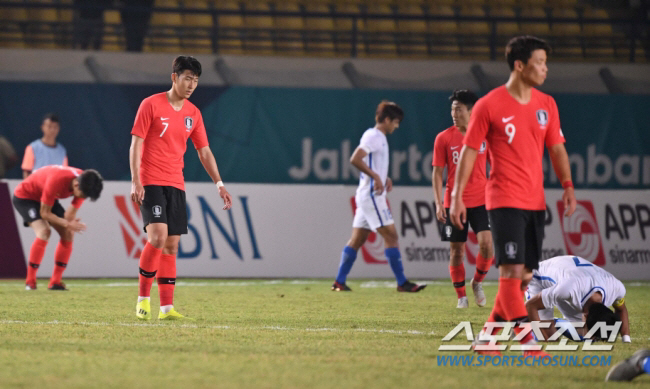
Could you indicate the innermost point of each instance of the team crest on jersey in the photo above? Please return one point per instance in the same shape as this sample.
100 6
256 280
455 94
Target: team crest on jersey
542 117
188 123
483 147
511 250
157 210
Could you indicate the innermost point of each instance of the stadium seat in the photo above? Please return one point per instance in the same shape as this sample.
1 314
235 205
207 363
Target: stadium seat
505 28
289 39
165 29
596 23
555 4
230 28
319 30
42 25
532 3
565 29
259 36
113 39
343 35
197 37
473 27
442 26
380 33
13 21
540 27
412 34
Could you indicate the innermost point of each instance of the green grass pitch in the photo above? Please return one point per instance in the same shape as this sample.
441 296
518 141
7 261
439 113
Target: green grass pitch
264 334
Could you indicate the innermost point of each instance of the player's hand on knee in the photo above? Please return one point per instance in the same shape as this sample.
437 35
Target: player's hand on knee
227 199
76 226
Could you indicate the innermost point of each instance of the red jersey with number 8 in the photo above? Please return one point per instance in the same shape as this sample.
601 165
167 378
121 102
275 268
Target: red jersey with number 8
165 132
446 151
516 134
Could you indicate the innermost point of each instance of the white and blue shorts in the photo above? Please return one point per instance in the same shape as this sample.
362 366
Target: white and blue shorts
372 212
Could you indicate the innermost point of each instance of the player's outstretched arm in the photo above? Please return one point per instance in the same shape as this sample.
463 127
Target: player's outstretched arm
357 161
621 314
135 154
560 161
74 225
210 165
457 211
436 179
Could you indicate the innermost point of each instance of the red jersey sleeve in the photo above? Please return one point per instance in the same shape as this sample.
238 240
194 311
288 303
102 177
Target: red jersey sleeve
439 152
50 188
143 119
77 201
554 132
199 136
479 124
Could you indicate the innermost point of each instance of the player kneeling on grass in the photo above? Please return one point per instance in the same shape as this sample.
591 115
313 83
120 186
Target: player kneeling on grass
446 151
372 213
580 290
37 200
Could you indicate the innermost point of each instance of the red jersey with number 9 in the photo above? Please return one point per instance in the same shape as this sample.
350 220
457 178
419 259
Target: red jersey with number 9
516 134
446 151
165 132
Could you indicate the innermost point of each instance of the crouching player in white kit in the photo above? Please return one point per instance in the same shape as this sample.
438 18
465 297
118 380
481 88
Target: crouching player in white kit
580 290
372 213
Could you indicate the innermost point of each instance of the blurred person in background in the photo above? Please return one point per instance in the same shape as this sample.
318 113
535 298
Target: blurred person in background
45 151
8 157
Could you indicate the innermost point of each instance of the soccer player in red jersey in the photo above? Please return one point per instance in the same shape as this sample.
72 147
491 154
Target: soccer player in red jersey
446 152
517 120
37 200
162 126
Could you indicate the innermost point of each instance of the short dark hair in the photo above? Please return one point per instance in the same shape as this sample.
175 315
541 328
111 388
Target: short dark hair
52 116
599 312
185 62
464 96
91 183
522 47
388 109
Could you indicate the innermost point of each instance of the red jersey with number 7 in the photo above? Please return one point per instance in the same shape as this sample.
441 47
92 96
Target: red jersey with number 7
516 134
165 132
446 152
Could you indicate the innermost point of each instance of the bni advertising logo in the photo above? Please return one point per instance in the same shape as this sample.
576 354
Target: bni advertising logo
581 234
373 249
134 237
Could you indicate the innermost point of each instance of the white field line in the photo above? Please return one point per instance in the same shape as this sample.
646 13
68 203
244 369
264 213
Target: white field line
364 284
217 327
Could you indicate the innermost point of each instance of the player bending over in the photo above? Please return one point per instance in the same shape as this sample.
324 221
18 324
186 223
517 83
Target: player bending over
580 290
162 126
372 213
446 151
37 200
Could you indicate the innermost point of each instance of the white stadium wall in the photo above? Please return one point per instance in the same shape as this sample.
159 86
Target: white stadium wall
299 231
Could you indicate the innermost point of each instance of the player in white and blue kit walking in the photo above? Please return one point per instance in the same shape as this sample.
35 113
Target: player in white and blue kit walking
580 290
372 213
